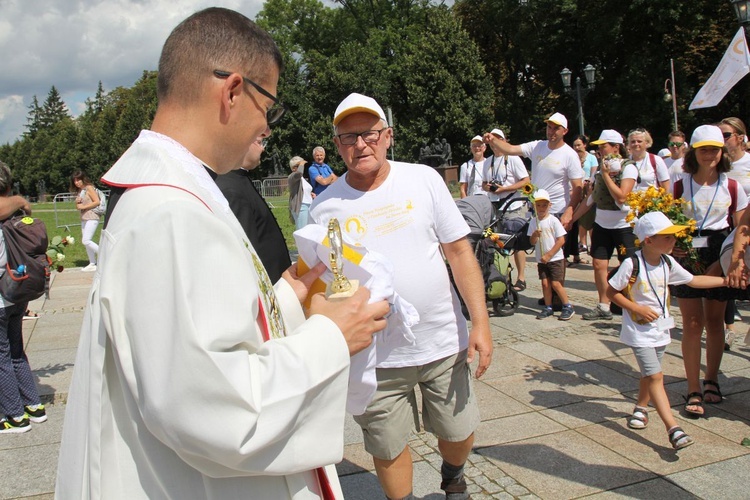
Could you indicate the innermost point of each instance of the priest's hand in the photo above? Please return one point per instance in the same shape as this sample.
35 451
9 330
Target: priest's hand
301 284
357 320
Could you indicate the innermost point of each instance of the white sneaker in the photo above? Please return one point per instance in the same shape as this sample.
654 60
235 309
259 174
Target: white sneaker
89 269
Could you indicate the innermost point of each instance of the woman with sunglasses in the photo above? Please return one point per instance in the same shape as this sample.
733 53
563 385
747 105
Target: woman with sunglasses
711 198
652 171
734 132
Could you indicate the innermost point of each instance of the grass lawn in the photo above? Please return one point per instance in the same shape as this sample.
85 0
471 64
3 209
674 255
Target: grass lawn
62 219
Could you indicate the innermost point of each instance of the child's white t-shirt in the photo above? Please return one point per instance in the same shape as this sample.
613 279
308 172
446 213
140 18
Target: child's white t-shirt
552 229
650 289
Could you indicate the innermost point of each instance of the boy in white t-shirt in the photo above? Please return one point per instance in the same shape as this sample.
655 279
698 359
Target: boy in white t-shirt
644 298
548 236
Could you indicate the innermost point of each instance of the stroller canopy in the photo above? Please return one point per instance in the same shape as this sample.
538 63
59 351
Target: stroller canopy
477 211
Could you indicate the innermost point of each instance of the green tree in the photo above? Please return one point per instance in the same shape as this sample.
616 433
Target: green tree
33 120
53 110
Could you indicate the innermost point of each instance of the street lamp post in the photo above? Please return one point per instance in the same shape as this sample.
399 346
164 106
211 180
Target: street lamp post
671 95
742 11
580 92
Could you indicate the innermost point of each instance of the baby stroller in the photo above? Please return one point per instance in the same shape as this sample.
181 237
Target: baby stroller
491 253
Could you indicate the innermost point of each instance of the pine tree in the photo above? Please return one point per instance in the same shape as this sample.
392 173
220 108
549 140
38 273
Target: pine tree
33 120
54 110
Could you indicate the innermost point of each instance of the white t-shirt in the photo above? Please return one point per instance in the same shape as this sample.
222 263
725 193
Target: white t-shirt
709 205
741 172
650 289
406 219
552 229
506 170
646 172
552 170
675 172
306 192
466 172
615 219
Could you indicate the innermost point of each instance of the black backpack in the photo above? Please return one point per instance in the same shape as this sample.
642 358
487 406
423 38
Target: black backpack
27 270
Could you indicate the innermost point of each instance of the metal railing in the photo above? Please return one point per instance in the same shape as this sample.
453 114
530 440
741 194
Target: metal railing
66 213
274 191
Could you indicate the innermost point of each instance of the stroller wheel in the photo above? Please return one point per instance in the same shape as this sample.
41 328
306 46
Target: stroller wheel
508 305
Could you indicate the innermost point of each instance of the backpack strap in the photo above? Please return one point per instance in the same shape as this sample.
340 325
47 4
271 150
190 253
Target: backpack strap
471 177
732 185
652 159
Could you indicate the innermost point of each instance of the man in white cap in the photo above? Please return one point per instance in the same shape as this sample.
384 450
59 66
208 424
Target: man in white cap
556 168
503 176
406 212
470 177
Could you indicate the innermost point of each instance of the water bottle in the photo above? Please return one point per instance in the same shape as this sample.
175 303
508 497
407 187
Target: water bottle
20 271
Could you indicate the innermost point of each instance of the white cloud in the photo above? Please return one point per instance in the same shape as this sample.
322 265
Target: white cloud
74 44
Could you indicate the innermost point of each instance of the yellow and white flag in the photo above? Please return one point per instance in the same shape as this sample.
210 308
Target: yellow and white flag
733 66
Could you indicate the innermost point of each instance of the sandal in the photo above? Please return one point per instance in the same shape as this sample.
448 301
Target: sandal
679 438
639 418
29 314
520 286
698 397
716 392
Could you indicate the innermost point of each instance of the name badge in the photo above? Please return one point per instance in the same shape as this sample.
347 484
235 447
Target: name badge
664 324
700 242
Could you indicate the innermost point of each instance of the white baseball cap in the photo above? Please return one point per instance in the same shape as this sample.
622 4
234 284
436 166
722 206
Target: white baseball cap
541 194
707 135
664 153
654 223
497 132
476 138
558 119
609 136
357 103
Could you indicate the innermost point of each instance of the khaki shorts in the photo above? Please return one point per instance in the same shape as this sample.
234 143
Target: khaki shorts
449 407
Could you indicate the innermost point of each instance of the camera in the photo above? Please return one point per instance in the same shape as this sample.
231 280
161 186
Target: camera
494 186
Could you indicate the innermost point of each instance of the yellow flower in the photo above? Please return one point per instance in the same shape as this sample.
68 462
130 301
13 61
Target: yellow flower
622 250
527 189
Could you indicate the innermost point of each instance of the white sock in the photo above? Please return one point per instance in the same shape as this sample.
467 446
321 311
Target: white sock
603 307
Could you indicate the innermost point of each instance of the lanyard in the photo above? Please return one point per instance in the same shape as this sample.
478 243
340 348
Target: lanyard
495 167
692 202
664 311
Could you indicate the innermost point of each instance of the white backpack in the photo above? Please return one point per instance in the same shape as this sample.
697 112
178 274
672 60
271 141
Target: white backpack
102 208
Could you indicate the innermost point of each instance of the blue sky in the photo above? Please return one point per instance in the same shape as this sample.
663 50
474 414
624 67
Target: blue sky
73 44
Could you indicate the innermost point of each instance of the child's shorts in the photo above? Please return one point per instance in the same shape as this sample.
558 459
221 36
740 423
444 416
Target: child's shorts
649 359
554 271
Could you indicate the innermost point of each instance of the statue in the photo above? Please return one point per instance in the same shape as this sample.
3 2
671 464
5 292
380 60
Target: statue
447 154
437 154
41 188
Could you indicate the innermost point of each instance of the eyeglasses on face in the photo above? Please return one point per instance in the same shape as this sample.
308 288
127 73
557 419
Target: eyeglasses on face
675 144
369 136
275 113
727 135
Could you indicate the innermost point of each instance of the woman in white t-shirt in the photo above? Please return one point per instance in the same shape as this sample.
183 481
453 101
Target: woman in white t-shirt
652 171
734 132
708 197
470 176
613 183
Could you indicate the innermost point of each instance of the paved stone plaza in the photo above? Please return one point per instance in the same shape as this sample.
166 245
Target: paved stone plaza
553 413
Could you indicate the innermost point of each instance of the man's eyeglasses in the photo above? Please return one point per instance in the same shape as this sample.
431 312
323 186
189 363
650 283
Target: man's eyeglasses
675 144
370 137
727 135
275 113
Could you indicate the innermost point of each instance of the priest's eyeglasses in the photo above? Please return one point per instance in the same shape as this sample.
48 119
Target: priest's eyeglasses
275 113
369 137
